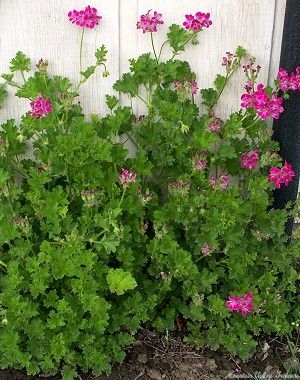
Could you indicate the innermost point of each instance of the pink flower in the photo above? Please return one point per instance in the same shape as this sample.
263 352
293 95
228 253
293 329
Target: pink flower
216 124
229 61
242 304
264 105
187 86
213 181
287 173
200 165
85 18
197 22
126 177
221 183
149 23
283 79
233 303
40 107
275 176
249 160
283 175
286 82
207 249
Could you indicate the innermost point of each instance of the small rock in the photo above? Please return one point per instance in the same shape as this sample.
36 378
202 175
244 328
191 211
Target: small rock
142 358
211 364
154 374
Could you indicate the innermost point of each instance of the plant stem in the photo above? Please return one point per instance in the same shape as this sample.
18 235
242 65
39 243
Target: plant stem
143 100
161 49
152 43
122 197
80 52
174 54
23 76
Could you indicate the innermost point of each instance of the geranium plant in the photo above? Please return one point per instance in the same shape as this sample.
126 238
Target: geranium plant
95 242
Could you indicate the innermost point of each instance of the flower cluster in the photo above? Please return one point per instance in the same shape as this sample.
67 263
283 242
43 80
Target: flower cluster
149 23
242 304
40 107
207 249
265 105
126 177
249 160
215 123
187 86
197 22
200 161
221 183
282 175
85 18
179 187
286 82
230 61
251 71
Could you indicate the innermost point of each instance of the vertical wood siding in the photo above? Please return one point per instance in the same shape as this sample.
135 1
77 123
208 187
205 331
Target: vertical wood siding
40 28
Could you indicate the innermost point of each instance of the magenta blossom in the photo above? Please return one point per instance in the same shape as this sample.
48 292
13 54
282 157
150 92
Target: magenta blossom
207 249
242 304
40 107
197 22
221 183
126 177
283 175
85 18
262 103
149 23
216 124
249 160
289 82
186 85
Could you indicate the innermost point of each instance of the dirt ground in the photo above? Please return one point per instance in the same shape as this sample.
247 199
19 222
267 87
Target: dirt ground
158 357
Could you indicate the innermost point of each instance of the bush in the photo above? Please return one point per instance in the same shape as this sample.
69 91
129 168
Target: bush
95 242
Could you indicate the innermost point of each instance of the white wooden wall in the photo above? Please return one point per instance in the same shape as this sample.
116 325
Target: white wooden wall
41 29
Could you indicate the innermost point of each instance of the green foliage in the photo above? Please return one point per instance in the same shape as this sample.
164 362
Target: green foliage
85 258
177 38
3 92
20 62
120 281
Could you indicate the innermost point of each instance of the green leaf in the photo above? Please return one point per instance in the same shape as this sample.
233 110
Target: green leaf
220 82
88 72
127 85
3 92
29 89
7 77
68 373
241 52
177 37
20 62
209 97
227 151
119 281
60 84
4 176
111 101
110 243
100 55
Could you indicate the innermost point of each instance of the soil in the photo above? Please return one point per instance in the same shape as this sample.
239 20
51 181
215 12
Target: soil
157 357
